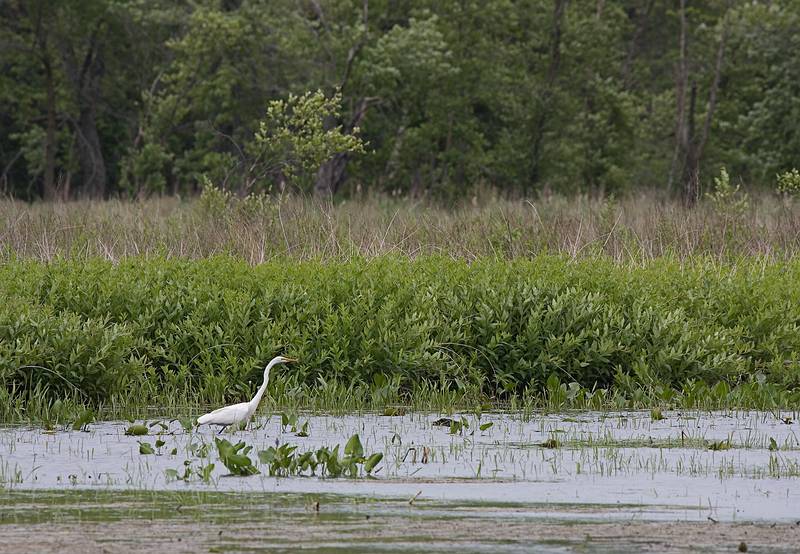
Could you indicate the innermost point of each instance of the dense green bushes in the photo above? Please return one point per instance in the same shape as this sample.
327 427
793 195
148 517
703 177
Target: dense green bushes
202 330
449 96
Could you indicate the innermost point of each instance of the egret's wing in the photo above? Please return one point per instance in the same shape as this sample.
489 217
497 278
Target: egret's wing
227 415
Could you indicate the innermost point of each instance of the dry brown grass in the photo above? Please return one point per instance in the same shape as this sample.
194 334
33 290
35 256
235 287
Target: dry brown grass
632 229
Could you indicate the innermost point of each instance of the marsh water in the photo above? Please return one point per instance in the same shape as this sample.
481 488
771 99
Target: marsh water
554 480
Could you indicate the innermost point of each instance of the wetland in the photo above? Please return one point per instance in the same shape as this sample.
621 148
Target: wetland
582 480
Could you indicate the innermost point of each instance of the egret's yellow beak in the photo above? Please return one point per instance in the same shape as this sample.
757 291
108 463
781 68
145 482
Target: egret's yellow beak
289 360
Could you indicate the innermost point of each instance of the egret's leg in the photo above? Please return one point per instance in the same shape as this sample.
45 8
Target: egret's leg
221 429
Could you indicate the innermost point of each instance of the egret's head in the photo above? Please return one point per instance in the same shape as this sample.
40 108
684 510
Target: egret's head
275 361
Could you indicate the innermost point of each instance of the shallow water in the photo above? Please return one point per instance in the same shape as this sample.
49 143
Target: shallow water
609 466
83 521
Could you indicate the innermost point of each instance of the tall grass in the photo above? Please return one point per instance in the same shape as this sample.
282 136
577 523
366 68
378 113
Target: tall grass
373 332
634 229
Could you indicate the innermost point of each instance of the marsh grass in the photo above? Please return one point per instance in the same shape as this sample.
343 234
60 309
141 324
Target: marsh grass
634 228
529 404
544 304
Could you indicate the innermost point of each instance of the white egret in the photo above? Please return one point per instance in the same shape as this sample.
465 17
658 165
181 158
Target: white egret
243 411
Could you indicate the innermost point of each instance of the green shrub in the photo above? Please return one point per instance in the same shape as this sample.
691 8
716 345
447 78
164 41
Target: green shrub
382 330
789 182
726 199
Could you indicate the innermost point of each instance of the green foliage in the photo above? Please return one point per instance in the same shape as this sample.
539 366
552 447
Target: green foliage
372 461
449 96
764 135
235 458
726 199
293 138
789 182
353 447
284 461
459 426
720 445
82 422
137 430
391 331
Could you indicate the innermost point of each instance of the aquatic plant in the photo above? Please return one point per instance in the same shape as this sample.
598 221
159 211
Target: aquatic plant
235 458
285 461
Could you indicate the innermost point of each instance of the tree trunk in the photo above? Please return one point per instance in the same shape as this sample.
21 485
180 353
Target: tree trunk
86 86
43 36
690 174
90 155
50 192
633 47
681 84
332 173
712 95
330 176
552 73
691 144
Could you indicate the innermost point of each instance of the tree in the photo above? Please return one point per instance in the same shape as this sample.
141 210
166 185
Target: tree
293 141
761 112
75 57
135 97
30 36
689 141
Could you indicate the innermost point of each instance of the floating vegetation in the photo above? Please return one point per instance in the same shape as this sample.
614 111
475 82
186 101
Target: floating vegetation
137 430
459 426
284 461
720 445
290 421
235 458
550 443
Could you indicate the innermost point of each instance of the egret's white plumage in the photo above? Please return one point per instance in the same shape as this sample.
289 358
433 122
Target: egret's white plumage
237 413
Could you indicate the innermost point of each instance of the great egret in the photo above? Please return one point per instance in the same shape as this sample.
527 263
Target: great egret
243 411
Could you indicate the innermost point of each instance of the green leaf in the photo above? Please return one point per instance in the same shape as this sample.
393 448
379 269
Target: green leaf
486 425
266 456
146 448
205 473
187 423
234 457
86 417
372 461
353 447
136 430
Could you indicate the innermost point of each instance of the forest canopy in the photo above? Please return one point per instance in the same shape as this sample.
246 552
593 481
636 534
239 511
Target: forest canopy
132 98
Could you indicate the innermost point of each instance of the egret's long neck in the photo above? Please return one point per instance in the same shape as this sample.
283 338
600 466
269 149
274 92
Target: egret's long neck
257 398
